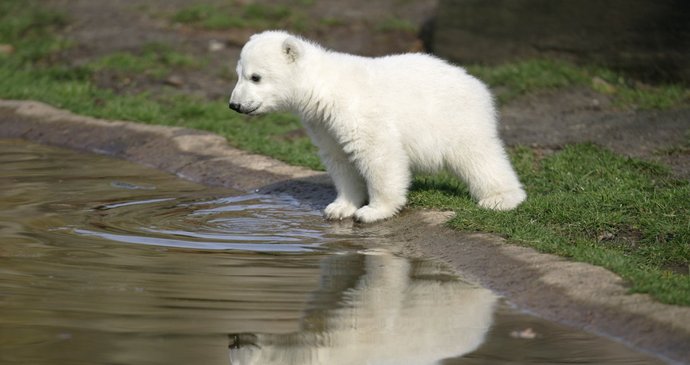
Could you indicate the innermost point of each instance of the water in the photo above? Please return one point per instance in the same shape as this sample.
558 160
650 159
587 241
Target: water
106 262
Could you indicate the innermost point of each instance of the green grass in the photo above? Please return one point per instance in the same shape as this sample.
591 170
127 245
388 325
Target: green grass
238 16
393 24
155 60
590 205
584 203
519 78
71 89
27 29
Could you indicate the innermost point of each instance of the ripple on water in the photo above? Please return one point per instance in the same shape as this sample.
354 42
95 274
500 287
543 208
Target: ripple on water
253 222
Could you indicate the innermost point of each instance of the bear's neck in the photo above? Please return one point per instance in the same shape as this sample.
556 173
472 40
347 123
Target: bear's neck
315 96
314 104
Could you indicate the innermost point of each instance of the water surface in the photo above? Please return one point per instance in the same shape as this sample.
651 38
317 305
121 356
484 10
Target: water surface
107 262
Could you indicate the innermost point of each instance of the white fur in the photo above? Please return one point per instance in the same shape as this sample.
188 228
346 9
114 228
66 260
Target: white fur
375 120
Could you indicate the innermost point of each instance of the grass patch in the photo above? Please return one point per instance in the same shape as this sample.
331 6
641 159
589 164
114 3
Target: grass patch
393 24
332 22
590 205
72 90
27 29
239 16
155 60
584 202
29 73
520 78
523 77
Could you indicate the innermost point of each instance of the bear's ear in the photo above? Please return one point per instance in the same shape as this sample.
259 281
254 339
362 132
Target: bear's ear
292 48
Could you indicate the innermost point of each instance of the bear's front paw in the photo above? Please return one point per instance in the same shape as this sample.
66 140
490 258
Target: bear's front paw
368 214
340 209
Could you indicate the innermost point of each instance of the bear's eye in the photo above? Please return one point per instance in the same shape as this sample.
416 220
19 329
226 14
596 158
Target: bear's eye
255 78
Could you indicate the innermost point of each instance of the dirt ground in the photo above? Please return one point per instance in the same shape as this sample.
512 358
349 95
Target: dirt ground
546 121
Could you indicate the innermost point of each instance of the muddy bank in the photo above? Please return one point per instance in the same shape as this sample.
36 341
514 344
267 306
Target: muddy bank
577 294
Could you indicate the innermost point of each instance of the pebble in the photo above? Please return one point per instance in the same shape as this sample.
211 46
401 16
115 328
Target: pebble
526 334
174 80
6 49
215 46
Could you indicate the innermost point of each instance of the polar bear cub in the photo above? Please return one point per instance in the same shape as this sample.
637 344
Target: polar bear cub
377 120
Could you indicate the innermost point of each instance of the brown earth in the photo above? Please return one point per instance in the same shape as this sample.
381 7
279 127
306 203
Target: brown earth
546 120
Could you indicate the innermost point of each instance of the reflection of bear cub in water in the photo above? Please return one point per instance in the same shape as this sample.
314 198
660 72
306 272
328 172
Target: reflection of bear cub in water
397 313
375 120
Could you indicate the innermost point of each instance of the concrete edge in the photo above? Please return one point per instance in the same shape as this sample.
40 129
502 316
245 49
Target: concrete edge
578 294
195 155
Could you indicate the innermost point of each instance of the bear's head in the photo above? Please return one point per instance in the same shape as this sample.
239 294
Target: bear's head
267 73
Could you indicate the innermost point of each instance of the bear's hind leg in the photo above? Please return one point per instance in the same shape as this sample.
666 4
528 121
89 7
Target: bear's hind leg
489 175
506 200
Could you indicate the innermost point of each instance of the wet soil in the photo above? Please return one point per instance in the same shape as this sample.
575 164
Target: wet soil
546 121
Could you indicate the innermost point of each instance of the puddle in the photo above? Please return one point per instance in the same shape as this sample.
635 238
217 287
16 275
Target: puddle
106 262
252 223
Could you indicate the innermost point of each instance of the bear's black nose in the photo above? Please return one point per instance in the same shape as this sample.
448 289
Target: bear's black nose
236 107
